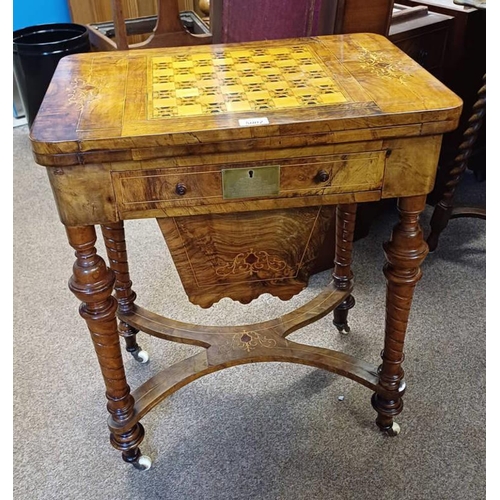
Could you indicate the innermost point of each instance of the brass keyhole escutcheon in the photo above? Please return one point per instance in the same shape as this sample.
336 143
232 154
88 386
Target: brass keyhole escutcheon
258 181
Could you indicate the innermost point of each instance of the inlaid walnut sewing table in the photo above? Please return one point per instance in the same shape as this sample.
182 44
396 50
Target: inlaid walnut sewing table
240 152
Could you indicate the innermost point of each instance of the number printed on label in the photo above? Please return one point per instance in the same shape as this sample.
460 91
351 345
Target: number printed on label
251 122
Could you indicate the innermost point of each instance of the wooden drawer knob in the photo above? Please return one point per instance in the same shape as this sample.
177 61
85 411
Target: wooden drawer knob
322 176
181 189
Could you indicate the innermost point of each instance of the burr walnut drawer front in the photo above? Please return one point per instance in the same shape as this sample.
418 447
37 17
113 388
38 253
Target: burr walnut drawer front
205 185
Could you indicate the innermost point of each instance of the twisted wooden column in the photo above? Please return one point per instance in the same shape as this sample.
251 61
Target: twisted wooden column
116 248
443 211
342 274
92 283
404 253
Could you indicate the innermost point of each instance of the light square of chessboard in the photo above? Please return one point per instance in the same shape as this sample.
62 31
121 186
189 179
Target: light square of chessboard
279 50
164 86
197 70
190 110
263 94
248 67
182 64
225 61
336 97
203 56
277 85
185 78
304 91
187 93
286 102
238 106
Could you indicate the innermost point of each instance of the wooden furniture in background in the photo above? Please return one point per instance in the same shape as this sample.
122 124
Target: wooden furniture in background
204 6
166 31
237 151
422 34
89 12
240 21
234 21
445 210
465 65
96 11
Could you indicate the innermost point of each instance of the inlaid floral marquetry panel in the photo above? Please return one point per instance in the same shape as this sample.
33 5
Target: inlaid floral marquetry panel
244 255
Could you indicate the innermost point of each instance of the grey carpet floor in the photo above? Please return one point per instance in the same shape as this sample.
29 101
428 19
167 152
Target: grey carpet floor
267 431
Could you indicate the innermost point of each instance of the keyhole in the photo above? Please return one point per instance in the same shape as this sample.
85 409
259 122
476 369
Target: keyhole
250 174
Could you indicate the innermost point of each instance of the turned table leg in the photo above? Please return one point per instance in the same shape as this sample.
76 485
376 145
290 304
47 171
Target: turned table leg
116 248
92 283
342 274
405 252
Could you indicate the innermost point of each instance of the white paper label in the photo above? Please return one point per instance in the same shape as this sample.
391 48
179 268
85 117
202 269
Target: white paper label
252 122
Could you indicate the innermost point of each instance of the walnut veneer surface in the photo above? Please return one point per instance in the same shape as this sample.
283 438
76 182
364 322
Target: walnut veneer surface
241 152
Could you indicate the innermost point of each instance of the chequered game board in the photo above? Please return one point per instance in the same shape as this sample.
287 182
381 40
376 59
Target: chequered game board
233 80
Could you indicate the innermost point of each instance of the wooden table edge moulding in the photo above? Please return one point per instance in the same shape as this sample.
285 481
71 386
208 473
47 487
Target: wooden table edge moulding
241 152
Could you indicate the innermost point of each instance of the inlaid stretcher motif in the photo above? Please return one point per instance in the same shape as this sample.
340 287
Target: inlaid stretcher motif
238 80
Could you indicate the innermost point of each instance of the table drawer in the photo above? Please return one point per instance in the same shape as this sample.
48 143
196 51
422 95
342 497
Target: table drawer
204 185
167 185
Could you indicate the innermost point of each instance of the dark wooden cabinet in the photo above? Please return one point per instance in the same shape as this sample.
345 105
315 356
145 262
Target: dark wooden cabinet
466 46
463 68
422 34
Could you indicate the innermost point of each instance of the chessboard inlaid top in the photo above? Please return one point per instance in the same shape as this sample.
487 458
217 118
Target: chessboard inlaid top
231 80
205 94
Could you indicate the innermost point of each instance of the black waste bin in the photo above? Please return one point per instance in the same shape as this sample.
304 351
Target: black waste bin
37 50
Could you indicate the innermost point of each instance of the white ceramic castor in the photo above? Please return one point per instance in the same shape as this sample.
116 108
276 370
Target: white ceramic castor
142 356
343 328
143 463
394 430
346 330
